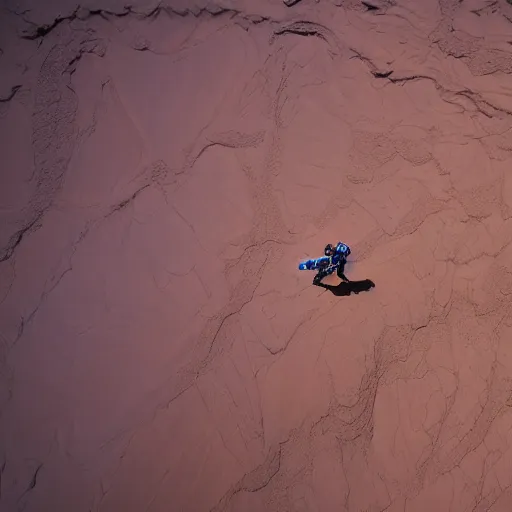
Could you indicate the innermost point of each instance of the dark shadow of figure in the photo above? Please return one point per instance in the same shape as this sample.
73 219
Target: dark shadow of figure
346 288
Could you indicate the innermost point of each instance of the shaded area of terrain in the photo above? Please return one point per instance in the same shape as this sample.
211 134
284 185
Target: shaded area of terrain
165 166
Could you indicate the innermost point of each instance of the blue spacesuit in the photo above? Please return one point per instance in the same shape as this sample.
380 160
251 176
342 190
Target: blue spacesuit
334 259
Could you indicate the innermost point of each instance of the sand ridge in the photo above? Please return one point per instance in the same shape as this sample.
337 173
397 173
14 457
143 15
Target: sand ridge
166 165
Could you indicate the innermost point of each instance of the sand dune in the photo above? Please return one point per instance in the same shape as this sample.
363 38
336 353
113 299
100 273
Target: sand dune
164 168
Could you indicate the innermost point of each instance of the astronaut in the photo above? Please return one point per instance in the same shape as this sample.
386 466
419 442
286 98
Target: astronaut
335 261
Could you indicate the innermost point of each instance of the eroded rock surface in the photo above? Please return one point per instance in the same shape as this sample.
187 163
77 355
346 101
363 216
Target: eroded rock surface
165 165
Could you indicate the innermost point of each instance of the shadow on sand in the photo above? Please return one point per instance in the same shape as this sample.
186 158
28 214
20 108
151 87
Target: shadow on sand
344 289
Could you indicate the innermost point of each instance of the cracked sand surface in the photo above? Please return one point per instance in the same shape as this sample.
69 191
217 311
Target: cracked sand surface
165 167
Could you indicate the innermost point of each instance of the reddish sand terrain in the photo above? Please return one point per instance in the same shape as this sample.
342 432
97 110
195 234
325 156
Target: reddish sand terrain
165 166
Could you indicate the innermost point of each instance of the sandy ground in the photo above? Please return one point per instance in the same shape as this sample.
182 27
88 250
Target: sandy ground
164 168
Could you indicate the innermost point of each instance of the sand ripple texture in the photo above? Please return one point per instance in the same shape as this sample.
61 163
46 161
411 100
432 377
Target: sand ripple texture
165 165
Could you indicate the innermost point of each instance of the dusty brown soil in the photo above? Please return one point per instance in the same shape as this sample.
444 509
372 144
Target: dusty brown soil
164 168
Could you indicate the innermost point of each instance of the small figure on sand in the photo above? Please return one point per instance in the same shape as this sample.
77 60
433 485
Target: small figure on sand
334 259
